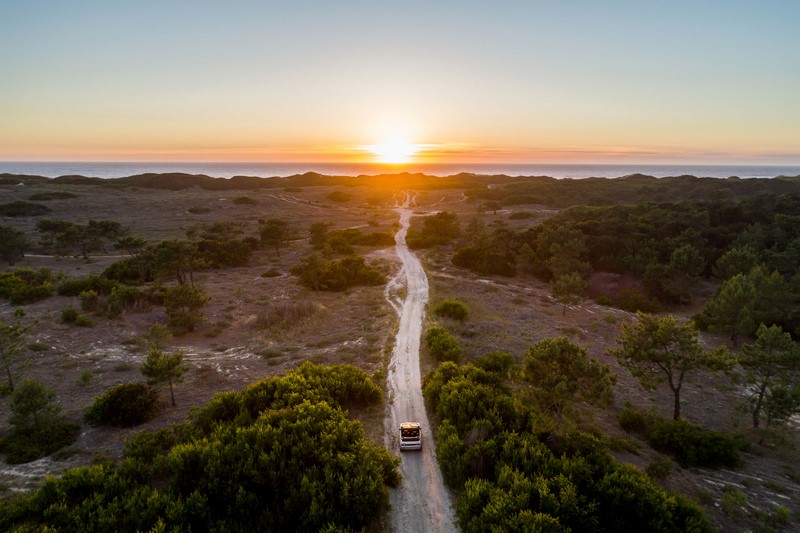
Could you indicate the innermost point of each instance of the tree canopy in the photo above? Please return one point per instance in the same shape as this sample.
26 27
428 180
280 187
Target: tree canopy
662 350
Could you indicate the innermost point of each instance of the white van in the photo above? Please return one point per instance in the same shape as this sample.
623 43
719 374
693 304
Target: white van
410 436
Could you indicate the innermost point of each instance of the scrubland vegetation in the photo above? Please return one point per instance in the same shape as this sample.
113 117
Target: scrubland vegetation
714 285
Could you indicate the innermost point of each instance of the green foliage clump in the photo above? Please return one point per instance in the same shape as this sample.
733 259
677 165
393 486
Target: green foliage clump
629 299
13 244
184 305
84 321
53 195
691 445
634 421
69 315
437 230
123 405
34 443
37 428
280 456
339 196
496 361
441 345
271 273
245 200
659 469
337 275
560 374
455 309
159 367
75 286
89 300
21 208
24 286
508 477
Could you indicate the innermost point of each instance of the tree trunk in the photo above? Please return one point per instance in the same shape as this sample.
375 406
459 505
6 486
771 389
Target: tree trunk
676 413
10 381
172 394
757 408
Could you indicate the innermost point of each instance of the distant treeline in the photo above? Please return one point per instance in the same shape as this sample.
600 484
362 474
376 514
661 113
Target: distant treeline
505 189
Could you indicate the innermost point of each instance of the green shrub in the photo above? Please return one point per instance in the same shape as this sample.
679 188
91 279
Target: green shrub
271 273
23 286
496 361
75 286
733 501
691 445
69 315
520 215
38 347
23 209
34 443
245 200
89 301
455 309
86 377
628 299
123 405
442 345
633 421
84 321
659 468
286 313
55 195
339 196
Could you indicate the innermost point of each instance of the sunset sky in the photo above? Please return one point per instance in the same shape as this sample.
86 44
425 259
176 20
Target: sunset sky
470 81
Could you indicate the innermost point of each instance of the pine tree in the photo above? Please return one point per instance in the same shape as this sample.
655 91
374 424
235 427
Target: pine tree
159 367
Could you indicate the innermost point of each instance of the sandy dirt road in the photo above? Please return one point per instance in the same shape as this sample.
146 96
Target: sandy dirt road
422 502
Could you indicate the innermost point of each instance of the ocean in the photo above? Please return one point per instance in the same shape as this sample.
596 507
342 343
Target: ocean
267 170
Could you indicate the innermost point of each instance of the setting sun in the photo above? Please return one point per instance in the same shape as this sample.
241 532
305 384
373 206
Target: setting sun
394 151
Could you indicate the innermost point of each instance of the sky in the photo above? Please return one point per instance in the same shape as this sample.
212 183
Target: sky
546 81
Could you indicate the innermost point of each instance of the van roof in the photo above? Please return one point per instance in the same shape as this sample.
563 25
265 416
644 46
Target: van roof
406 425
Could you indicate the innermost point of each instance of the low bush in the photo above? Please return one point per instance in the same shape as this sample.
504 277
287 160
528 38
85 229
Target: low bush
89 301
198 210
339 196
75 286
271 273
629 299
496 362
520 215
69 315
659 469
30 444
23 209
123 405
55 195
633 421
245 200
441 345
286 313
454 309
23 286
339 275
690 445
84 321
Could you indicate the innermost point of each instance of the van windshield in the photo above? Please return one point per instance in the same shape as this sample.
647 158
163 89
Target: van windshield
410 433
